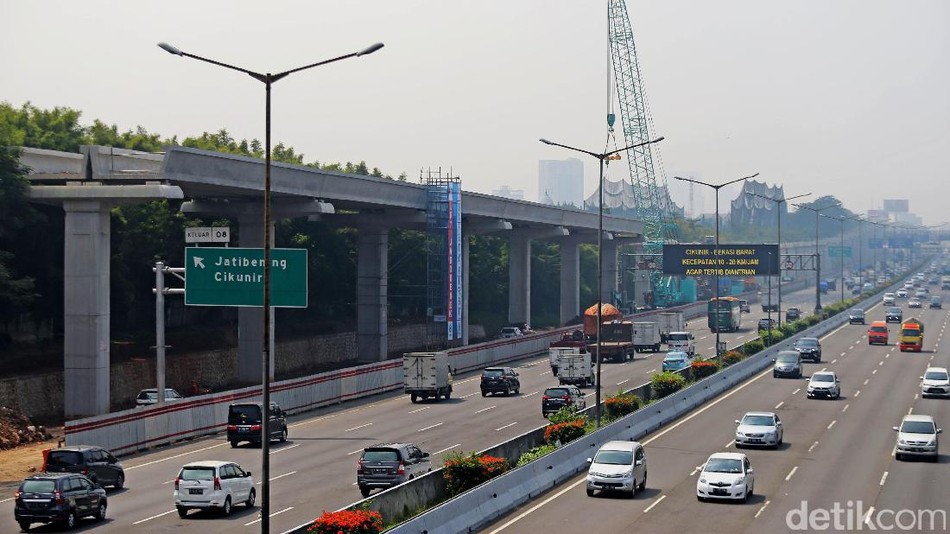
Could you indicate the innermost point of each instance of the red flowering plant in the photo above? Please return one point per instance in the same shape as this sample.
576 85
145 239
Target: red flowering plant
704 368
465 471
348 522
564 432
621 404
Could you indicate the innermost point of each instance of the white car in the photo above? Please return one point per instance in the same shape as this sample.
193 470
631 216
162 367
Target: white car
901 293
917 436
511 331
914 303
726 475
213 485
618 466
148 397
935 382
888 299
824 384
759 428
920 293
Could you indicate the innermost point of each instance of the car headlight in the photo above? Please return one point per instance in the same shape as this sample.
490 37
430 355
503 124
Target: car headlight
628 474
739 481
902 442
771 434
702 480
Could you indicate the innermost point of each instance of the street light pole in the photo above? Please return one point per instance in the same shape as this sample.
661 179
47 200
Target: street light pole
778 215
817 253
716 188
601 157
840 219
268 79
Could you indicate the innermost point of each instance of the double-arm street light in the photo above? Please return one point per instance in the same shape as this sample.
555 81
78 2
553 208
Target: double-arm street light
716 187
840 219
268 79
778 215
601 157
817 253
860 220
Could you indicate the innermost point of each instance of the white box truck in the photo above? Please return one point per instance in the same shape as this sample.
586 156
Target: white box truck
770 300
672 321
576 368
427 375
646 337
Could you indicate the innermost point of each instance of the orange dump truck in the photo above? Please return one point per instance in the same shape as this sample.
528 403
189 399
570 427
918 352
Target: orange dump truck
911 336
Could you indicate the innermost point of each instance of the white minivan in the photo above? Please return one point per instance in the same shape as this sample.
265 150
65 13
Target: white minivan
213 485
618 466
682 341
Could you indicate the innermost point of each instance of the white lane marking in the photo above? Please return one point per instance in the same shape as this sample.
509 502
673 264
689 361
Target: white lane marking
790 473
656 502
271 479
589 394
693 472
622 382
651 371
856 393
880 364
358 427
883 478
834 361
506 426
469 395
526 395
153 517
282 449
824 369
813 445
874 372
12 498
175 456
866 380
429 427
867 517
354 452
271 515
447 448
852 346
163 483
888 355
729 444
779 405
542 374
421 409
492 407
796 391
910 410
845 408
764 506
915 396
831 424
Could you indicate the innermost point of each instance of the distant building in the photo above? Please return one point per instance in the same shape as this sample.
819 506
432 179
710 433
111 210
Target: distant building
877 216
896 206
561 182
507 192
750 209
907 218
620 199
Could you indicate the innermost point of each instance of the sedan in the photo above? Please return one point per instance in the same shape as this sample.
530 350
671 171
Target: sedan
676 360
894 315
824 384
726 475
759 428
901 293
856 316
914 303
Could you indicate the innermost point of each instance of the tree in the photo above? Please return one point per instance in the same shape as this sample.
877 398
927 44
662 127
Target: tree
16 214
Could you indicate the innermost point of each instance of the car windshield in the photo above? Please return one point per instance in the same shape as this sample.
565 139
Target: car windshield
380 455
244 414
492 373
758 420
723 465
787 358
807 342
678 337
64 458
935 375
857 312
197 473
910 332
823 378
613 457
878 329
918 427
673 359
893 310
556 392
38 486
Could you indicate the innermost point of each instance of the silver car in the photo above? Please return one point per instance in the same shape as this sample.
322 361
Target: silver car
917 436
935 382
618 466
824 384
389 464
760 429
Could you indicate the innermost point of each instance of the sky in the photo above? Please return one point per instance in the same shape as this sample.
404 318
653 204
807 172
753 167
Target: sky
849 98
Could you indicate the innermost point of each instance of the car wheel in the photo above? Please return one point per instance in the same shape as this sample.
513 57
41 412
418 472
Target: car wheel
700 498
643 483
283 436
633 490
182 511
24 526
518 389
590 492
484 393
70 522
745 497
250 499
234 443
226 509
413 398
119 481
774 375
364 491
507 391
100 514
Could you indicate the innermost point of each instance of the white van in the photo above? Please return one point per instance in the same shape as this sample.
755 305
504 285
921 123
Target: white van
618 466
682 341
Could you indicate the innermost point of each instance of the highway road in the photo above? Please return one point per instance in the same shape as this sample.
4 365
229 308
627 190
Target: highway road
836 463
316 469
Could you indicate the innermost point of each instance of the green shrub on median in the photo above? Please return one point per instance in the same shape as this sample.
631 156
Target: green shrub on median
535 453
734 356
665 383
621 404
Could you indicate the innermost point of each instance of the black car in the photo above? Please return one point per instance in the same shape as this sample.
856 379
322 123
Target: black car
62 498
894 315
809 347
244 422
788 363
390 464
766 324
793 314
500 380
95 462
856 316
555 398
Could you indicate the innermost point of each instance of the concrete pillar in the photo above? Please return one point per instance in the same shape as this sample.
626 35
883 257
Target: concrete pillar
86 308
519 279
611 269
251 320
372 294
466 237
570 280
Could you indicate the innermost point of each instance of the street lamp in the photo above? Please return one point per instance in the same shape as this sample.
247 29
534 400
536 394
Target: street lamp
817 253
859 220
840 219
601 157
778 215
716 188
268 79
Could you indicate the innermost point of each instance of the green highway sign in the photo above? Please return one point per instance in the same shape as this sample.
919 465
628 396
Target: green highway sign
219 276
838 252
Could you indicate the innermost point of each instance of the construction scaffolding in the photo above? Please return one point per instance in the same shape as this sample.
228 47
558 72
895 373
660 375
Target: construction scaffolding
443 259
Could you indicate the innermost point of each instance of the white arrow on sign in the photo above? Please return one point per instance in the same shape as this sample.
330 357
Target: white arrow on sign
199 262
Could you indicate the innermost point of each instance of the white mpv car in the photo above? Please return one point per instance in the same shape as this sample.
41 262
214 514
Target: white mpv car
213 485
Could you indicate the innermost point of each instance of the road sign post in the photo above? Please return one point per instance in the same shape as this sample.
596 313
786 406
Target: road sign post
218 276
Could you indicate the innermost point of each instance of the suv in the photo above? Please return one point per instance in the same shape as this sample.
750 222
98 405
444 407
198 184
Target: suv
618 466
917 436
98 464
212 484
244 422
793 314
856 316
894 315
62 498
683 341
555 398
500 380
936 302
766 324
744 306
809 347
787 363
824 384
390 464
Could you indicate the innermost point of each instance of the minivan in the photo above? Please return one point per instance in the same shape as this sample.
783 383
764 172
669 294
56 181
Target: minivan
618 466
244 422
877 333
787 363
917 436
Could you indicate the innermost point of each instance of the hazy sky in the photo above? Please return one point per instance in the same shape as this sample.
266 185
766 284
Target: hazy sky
847 98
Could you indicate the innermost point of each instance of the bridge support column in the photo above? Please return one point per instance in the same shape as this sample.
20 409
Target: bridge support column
610 270
86 295
570 279
519 279
251 320
372 296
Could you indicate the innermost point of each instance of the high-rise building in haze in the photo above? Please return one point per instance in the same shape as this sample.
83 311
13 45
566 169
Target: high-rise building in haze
561 182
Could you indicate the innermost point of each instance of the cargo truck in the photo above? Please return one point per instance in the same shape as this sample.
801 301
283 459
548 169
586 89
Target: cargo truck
616 343
672 321
646 337
427 375
568 342
770 300
911 336
575 367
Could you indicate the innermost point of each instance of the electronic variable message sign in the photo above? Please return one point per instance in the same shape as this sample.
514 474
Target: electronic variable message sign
724 260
